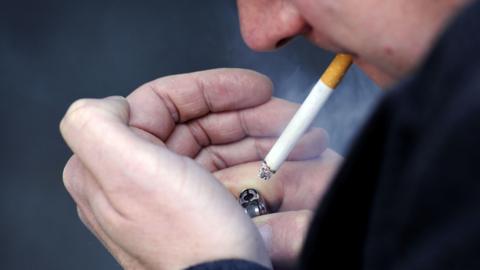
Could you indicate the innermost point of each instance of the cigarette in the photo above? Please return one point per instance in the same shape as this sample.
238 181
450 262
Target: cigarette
305 115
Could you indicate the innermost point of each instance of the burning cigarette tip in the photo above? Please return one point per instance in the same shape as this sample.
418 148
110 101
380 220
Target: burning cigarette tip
265 172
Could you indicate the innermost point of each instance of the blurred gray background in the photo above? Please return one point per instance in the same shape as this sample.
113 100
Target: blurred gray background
53 52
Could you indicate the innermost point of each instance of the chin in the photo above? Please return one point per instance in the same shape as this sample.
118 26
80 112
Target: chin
377 75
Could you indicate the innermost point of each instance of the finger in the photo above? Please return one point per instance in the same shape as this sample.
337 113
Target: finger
147 136
97 132
76 179
305 183
218 157
238 178
284 234
93 209
123 258
267 120
86 192
158 105
297 185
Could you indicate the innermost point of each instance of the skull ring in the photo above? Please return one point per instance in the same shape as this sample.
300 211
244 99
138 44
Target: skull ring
253 203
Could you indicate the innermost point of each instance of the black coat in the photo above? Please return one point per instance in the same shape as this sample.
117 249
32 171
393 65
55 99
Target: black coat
408 194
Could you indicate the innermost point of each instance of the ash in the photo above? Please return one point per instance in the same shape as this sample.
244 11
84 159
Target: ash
265 172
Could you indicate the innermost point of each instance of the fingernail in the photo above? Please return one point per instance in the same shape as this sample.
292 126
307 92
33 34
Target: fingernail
115 97
266 233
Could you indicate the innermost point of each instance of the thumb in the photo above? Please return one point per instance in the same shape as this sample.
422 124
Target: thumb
97 131
283 234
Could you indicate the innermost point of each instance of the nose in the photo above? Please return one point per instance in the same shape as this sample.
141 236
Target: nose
269 24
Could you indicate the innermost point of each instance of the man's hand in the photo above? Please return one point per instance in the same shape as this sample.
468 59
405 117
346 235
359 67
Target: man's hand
293 194
141 170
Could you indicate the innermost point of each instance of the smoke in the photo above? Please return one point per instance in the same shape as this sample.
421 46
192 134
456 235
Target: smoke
348 108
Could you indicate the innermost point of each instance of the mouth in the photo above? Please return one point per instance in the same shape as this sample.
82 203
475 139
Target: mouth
328 44
282 42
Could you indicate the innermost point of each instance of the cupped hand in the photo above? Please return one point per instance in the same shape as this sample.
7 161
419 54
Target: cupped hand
141 173
151 207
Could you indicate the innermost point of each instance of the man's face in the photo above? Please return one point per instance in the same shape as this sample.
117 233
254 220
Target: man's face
348 26
268 24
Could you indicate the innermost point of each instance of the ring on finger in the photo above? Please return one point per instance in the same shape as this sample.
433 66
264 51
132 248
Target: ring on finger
253 203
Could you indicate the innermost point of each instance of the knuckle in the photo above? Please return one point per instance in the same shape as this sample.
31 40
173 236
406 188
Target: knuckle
67 181
68 175
81 216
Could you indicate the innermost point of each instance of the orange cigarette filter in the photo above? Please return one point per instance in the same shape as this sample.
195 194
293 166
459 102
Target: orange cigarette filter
336 70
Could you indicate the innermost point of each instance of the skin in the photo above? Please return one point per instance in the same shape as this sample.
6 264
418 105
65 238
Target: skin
153 173
402 31
140 162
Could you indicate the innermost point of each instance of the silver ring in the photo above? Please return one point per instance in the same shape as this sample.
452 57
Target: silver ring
253 203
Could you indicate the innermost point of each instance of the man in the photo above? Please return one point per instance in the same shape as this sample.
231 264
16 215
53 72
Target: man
146 169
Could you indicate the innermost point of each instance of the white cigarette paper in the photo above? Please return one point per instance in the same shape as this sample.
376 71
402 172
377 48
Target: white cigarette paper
300 122
305 115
